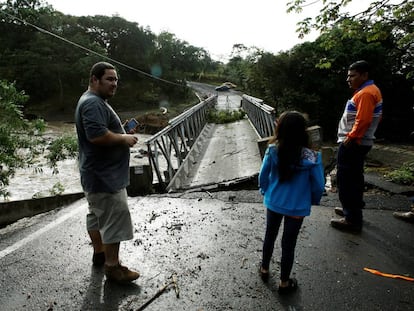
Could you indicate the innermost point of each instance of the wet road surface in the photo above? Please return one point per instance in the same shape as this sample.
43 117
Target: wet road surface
212 243
231 153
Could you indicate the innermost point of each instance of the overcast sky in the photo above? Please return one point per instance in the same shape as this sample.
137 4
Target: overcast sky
214 25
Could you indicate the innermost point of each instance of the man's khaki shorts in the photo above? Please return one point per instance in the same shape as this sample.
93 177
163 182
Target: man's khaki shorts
109 213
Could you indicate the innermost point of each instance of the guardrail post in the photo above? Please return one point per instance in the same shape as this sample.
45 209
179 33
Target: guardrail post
140 180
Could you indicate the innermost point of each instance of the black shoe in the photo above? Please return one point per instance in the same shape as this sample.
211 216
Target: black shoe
339 211
293 285
344 225
98 259
264 275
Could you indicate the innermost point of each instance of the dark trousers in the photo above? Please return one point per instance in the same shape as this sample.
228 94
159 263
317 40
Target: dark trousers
291 229
350 180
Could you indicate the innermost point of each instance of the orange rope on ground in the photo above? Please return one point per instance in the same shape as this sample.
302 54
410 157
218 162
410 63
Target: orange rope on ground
393 276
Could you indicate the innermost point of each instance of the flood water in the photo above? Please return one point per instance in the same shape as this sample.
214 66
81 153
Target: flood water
28 184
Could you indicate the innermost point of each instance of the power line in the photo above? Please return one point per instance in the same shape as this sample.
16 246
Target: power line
309 4
87 49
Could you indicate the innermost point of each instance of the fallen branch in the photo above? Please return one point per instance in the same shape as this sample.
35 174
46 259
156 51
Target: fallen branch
161 291
177 290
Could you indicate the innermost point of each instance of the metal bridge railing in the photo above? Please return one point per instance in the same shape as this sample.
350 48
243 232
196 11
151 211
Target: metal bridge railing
168 148
261 115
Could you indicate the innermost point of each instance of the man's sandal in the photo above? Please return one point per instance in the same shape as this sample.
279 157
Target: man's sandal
292 286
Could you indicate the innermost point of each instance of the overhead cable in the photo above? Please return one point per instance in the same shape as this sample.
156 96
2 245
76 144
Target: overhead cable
88 50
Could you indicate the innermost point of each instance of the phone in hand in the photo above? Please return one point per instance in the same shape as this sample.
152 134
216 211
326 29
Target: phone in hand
130 125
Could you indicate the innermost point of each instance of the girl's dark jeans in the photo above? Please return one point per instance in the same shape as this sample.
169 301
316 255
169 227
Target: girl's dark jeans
291 229
350 180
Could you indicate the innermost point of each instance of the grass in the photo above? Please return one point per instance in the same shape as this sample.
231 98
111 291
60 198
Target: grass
403 175
225 116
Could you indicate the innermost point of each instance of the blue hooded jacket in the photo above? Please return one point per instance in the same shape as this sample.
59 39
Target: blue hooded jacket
293 197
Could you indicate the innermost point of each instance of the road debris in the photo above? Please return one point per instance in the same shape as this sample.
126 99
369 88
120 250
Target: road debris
173 282
388 275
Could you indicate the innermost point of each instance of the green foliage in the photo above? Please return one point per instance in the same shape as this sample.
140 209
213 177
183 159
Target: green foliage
60 149
403 175
378 21
311 77
49 55
57 189
240 66
21 141
19 138
225 116
54 72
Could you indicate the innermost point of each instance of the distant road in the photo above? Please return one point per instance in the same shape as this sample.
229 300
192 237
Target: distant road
202 88
209 89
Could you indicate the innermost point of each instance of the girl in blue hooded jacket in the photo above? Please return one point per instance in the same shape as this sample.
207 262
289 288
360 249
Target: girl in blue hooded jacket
291 179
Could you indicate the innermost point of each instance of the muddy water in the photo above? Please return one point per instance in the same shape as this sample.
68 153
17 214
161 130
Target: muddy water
27 183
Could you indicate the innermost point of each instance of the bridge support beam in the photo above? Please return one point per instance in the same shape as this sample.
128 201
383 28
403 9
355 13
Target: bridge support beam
182 176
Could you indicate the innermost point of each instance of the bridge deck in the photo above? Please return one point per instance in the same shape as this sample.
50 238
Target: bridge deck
232 151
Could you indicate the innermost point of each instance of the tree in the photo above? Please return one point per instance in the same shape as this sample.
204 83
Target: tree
380 21
48 54
381 33
19 140
41 64
311 78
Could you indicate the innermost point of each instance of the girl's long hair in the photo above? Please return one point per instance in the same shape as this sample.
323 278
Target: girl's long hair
290 137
